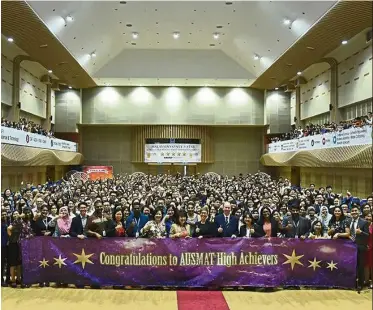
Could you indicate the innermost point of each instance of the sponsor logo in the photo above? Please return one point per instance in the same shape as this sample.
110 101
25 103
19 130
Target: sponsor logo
27 138
312 143
323 141
51 142
334 139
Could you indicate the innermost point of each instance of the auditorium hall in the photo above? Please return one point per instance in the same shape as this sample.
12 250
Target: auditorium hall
186 155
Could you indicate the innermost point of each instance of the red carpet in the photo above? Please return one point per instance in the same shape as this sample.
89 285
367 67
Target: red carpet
195 300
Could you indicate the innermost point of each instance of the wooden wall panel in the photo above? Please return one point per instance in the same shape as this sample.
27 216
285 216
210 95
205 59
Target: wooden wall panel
141 133
11 177
357 181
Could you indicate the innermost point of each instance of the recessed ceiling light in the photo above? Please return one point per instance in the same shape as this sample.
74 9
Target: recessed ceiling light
135 35
70 87
69 18
287 21
10 40
276 88
176 35
256 57
50 71
299 73
216 36
344 42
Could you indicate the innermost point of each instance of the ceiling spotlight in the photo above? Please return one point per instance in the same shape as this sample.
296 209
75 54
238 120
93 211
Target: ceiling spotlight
69 18
10 40
176 35
50 71
93 54
344 42
216 36
256 57
299 73
287 21
276 88
70 87
135 35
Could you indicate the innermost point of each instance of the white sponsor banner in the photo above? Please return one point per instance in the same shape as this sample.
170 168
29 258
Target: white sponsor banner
347 137
23 138
172 153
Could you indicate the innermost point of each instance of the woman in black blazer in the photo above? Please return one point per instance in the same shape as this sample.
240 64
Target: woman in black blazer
267 226
249 229
204 228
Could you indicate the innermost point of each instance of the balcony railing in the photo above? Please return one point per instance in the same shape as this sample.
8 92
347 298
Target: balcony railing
347 137
23 138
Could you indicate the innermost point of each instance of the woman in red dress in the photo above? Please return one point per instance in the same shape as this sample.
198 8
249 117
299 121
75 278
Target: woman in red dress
369 257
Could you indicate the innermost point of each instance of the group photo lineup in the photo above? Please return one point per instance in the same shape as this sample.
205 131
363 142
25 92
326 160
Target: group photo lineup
178 155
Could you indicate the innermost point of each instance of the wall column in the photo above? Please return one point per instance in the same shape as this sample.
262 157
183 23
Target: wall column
335 113
48 108
295 176
14 110
297 107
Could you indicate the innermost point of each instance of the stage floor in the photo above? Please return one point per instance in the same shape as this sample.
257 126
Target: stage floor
71 299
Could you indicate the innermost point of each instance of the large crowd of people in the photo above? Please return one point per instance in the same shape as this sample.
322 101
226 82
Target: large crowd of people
312 129
27 125
166 206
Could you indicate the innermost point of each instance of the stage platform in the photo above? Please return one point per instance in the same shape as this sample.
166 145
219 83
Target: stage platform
77 299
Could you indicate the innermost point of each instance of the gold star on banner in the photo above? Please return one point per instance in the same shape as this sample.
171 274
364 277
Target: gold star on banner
43 263
83 258
314 264
60 261
293 260
332 265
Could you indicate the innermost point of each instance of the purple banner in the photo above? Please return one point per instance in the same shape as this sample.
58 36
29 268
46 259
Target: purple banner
210 263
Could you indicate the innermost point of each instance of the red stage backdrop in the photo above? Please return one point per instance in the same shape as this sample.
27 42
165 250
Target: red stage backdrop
98 172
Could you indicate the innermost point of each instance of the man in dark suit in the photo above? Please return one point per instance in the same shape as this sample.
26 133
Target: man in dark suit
79 222
136 221
226 224
296 226
359 233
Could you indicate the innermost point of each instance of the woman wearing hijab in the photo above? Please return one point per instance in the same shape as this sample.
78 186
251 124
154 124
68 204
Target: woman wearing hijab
324 218
63 224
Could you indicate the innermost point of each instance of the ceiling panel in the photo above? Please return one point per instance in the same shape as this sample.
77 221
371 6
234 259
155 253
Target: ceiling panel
245 28
343 22
30 34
